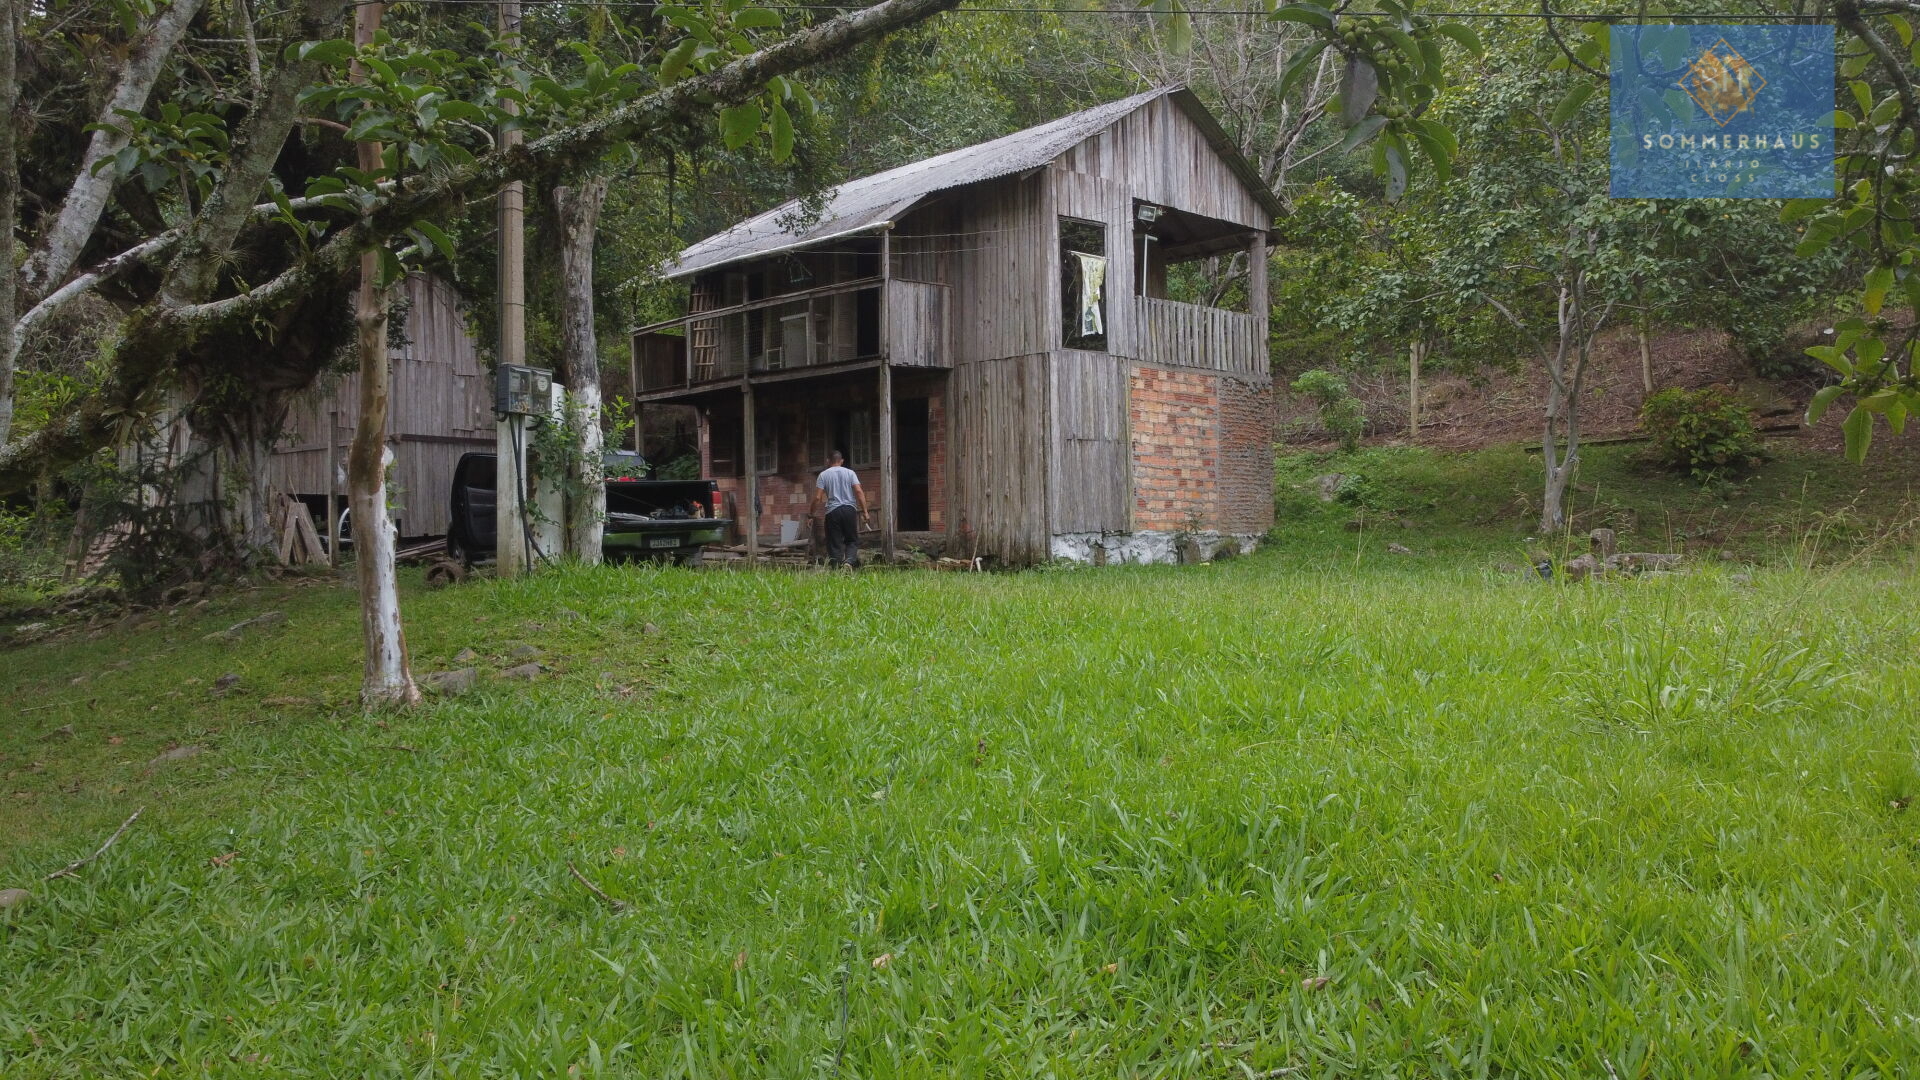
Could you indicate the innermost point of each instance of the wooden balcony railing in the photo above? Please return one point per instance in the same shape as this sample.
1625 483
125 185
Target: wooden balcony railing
1170 332
835 324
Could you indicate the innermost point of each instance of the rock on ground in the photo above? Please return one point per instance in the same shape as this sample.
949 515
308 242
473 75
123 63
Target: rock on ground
178 753
453 683
523 671
264 621
13 898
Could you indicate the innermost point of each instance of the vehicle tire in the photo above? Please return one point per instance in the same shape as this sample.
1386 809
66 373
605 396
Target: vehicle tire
692 560
445 572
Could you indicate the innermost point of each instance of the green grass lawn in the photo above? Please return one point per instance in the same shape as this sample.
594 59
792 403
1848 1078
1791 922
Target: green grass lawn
1322 809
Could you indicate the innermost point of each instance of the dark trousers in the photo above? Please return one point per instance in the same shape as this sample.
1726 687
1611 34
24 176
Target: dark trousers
843 536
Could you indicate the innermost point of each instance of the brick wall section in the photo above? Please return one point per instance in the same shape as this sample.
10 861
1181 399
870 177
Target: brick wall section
1175 436
1202 451
1246 456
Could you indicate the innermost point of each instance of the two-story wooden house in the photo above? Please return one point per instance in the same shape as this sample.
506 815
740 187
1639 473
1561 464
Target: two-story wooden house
987 336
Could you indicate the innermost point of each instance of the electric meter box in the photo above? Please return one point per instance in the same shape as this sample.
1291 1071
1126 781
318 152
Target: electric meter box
522 391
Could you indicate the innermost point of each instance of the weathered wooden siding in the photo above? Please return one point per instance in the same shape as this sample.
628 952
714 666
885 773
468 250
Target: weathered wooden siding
1001 254
1090 476
1000 437
922 244
442 407
917 324
1159 154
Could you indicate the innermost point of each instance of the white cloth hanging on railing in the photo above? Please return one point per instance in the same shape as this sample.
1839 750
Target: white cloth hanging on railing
1093 277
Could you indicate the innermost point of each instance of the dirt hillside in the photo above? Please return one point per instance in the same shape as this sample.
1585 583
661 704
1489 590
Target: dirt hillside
1494 408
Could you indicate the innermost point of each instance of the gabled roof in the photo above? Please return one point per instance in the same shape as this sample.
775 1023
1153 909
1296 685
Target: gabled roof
870 201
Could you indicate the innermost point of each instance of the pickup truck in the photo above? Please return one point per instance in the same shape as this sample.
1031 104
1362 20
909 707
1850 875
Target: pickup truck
646 519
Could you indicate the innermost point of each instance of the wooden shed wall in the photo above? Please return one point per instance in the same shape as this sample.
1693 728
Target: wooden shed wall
1091 474
1001 249
1159 154
923 243
442 407
999 411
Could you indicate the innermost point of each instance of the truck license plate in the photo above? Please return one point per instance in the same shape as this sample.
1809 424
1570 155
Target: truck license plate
663 541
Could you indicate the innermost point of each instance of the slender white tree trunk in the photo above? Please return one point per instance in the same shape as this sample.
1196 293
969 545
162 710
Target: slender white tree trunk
1560 407
388 680
1646 353
579 212
1416 352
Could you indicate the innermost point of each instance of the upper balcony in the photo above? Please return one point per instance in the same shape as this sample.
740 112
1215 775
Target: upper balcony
1171 332
849 325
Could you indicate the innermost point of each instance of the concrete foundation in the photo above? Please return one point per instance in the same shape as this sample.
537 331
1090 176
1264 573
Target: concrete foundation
1146 547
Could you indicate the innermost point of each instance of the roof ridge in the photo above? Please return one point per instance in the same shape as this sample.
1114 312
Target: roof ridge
869 201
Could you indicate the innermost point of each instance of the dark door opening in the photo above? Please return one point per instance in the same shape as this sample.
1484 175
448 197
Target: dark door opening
910 439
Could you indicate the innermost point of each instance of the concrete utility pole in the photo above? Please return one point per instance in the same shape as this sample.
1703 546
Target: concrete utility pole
511 555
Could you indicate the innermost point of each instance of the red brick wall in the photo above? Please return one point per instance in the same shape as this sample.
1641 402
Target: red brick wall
1246 456
1202 451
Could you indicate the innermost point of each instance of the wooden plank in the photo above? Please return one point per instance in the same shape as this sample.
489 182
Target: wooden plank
889 519
311 552
333 489
750 467
889 480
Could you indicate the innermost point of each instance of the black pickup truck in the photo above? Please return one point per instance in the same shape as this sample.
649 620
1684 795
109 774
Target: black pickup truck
646 519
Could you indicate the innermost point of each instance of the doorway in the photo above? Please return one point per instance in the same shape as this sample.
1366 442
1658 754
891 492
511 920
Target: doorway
910 438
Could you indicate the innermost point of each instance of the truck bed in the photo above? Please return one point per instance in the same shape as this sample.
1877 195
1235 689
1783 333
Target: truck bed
655 519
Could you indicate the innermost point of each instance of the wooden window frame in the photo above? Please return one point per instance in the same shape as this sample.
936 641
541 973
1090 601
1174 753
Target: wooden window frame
1068 340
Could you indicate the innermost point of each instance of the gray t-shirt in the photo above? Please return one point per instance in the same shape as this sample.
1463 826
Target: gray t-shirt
838 482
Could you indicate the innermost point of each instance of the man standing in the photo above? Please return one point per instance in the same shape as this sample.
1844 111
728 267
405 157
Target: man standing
839 488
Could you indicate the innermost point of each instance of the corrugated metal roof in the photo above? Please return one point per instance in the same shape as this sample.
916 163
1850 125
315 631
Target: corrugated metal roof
870 201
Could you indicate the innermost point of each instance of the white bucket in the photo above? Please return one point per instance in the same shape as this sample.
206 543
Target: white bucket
789 531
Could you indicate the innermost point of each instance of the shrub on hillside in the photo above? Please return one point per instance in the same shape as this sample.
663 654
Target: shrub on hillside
1340 412
1705 434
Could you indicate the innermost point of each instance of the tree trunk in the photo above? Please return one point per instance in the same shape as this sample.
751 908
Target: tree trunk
1553 517
9 212
1646 352
1416 352
387 680
579 211
92 185
1560 407
245 453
